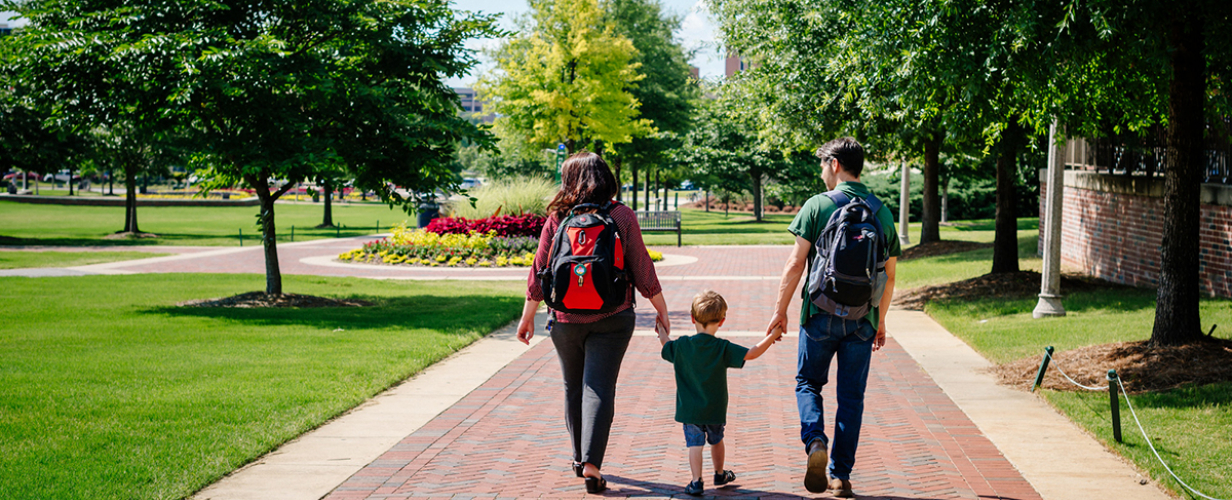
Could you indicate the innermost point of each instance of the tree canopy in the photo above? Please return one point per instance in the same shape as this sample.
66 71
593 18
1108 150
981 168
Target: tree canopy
566 78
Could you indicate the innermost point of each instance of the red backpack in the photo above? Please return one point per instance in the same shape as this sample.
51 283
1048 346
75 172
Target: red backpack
586 266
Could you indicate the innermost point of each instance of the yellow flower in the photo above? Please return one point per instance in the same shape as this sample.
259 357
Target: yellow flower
440 258
471 261
454 261
502 261
655 256
485 264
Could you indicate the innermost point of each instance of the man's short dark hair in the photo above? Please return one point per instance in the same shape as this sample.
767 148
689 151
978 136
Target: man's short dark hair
848 152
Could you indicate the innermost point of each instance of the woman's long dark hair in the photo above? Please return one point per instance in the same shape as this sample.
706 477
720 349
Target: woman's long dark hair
584 178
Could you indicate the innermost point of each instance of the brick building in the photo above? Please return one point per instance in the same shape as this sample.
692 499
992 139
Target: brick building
472 105
1113 223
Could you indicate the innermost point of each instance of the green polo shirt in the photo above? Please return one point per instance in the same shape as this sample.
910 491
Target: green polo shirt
701 363
812 219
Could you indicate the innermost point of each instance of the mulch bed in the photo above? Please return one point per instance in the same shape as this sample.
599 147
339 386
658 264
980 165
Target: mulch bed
129 236
936 248
1002 285
1141 368
262 299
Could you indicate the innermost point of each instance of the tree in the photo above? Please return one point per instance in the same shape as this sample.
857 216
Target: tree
267 93
311 85
1155 64
666 91
565 79
723 147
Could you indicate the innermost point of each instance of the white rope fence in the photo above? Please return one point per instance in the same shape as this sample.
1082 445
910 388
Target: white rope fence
1048 355
1067 377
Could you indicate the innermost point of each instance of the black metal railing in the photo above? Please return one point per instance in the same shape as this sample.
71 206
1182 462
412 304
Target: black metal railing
1147 154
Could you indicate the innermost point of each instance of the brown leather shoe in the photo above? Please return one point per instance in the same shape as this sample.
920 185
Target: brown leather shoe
815 478
841 488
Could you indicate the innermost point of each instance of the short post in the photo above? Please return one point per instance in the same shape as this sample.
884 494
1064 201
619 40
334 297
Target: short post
292 234
241 237
378 226
338 231
677 202
1039 377
1115 400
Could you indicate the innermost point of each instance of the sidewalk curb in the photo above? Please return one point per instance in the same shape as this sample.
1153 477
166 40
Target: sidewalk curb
1059 460
312 465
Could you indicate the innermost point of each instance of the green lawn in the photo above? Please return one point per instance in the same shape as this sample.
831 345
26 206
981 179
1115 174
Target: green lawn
29 224
1192 426
107 390
27 259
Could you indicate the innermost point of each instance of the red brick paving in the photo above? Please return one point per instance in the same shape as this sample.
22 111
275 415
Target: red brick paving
508 440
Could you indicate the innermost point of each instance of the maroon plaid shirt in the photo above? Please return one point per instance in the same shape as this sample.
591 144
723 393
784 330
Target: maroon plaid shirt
637 262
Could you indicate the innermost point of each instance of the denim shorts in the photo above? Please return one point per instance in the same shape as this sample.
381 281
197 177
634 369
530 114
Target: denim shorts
698 435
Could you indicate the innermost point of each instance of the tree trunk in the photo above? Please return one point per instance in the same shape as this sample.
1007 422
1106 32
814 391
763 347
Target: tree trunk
130 199
111 182
1005 243
328 220
756 178
648 190
665 195
1176 311
707 201
70 182
269 235
633 192
620 189
658 184
930 223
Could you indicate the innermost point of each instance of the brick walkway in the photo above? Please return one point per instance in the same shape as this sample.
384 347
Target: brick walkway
507 439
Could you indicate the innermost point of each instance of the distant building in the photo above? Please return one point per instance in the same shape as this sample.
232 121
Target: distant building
734 64
5 30
472 105
697 73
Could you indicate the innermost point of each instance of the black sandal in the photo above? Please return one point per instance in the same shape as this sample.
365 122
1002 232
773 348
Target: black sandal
577 469
596 485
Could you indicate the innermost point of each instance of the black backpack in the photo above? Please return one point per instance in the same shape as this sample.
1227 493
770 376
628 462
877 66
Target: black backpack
848 275
585 272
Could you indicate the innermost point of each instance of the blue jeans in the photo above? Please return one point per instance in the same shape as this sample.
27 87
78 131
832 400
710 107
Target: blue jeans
821 338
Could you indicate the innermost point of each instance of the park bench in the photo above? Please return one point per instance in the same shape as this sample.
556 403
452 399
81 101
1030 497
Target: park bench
660 221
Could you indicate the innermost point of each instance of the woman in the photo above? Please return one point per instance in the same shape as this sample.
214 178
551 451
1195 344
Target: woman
591 346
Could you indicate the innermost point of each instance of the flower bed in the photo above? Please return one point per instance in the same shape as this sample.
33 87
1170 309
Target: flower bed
417 247
504 225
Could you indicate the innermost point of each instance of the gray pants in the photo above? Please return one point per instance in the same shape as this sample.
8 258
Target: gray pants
590 356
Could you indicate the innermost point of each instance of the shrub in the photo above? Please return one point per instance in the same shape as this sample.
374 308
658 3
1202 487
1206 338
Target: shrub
504 225
509 196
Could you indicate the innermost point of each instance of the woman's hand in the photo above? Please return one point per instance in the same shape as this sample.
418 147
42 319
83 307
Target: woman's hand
526 327
661 318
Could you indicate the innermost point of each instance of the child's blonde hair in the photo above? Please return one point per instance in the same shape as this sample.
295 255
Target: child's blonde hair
709 307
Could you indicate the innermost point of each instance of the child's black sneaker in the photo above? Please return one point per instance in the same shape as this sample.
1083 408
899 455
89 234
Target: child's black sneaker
722 478
695 488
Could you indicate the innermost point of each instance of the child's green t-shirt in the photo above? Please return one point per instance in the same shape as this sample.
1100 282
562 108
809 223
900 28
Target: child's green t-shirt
701 362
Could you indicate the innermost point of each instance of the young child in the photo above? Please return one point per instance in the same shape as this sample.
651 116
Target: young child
701 362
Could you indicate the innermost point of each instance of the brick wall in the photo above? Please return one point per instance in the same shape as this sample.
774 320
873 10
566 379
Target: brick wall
1112 228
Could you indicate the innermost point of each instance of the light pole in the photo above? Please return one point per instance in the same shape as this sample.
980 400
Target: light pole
1050 286
904 207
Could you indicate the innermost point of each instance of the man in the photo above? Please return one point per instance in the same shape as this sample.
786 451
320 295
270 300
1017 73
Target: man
824 335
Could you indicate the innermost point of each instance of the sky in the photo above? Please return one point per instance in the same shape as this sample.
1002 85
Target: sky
696 31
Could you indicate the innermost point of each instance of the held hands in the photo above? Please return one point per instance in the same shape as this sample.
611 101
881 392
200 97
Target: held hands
777 326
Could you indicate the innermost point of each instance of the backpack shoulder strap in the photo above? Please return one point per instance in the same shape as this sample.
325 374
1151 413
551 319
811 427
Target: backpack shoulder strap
874 204
838 197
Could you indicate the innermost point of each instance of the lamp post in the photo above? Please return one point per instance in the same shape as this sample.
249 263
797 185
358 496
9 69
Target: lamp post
1050 286
904 207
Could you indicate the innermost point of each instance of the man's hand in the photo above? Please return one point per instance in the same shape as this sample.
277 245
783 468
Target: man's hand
879 340
779 322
